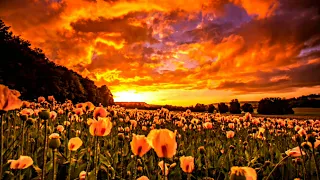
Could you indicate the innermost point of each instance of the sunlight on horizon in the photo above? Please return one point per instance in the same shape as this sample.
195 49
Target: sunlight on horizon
129 96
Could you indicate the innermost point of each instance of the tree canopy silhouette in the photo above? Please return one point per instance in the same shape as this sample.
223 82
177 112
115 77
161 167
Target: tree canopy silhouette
274 106
235 107
29 71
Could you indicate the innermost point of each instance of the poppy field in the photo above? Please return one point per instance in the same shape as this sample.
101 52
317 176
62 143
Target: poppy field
51 140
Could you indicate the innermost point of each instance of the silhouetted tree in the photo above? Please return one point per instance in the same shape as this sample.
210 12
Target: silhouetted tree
246 107
274 106
223 108
29 71
211 108
235 107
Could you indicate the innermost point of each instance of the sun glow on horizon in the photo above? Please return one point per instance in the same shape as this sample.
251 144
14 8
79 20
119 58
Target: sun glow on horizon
129 96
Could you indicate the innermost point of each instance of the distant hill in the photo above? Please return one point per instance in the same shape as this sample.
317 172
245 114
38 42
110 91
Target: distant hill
29 71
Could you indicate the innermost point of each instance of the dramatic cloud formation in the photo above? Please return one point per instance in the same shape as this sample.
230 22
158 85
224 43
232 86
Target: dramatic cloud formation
179 52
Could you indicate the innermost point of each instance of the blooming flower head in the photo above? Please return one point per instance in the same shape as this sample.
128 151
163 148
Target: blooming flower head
53 115
60 128
243 173
82 175
187 164
295 152
230 134
8 101
22 163
143 178
139 145
163 141
41 99
99 112
74 143
27 112
102 127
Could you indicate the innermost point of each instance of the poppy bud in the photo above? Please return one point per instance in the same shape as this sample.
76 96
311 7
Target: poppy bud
139 169
121 136
44 114
54 143
202 150
311 138
267 163
30 121
254 130
299 161
23 117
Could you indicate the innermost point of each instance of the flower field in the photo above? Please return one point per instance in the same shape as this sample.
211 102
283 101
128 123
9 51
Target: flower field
48 140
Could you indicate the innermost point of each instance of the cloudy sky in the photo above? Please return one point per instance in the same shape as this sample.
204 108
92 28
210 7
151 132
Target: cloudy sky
179 51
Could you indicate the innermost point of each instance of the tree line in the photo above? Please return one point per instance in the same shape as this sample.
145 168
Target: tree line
29 71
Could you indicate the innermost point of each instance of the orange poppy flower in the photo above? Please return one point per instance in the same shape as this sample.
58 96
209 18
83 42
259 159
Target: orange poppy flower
99 112
22 163
8 101
143 178
163 141
243 173
102 127
295 152
74 144
187 164
139 145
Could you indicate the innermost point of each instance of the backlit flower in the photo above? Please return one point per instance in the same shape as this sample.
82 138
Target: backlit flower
99 112
102 127
74 144
139 145
295 152
22 163
8 101
163 141
230 134
243 173
187 164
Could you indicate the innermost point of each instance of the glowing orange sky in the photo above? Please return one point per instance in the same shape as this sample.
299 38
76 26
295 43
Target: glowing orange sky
179 52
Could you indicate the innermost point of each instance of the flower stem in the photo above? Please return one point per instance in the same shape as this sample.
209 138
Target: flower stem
95 156
135 168
276 167
69 169
1 146
164 169
44 150
188 176
22 138
315 161
54 164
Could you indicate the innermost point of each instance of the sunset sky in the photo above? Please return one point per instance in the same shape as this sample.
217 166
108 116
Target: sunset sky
179 51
